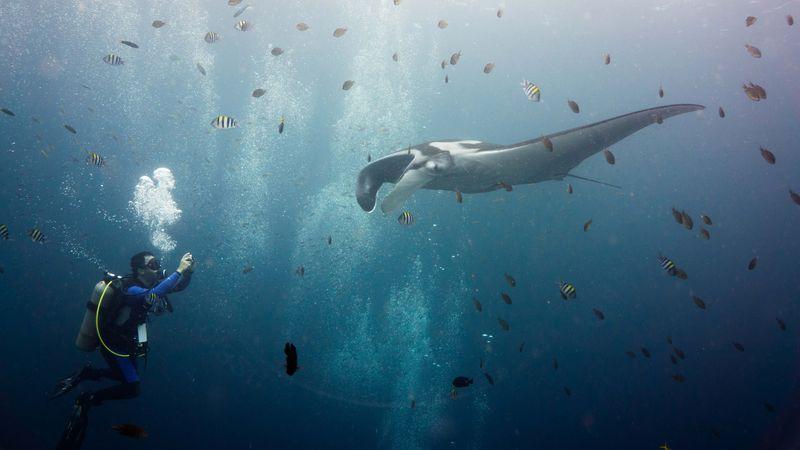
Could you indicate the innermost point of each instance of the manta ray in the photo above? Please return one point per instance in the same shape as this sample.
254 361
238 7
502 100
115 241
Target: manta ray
469 166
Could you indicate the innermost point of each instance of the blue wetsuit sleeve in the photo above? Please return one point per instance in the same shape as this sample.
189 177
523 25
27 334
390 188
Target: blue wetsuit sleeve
136 295
184 281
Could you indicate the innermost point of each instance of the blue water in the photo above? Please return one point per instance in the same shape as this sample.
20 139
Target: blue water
384 315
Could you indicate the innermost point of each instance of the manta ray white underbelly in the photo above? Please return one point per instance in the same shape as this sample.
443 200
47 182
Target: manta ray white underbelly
473 166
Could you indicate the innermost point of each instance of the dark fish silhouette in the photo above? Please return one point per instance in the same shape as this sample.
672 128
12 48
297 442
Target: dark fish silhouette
769 407
754 91
679 378
567 391
459 197
300 271
130 430
688 223
158 24
587 225
129 44
789 20
330 240
673 359
521 347
258 92
706 220
754 51
569 189
661 92
645 352
699 302
503 324
738 346
750 20
574 106
677 215
768 156
8 112
752 264
721 113
705 234
413 404
70 129
505 186
555 364
247 269
506 298
489 378
599 314
630 354
679 353
477 304
607 59
795 197
291 358
610 158
781 324
510 280
548 144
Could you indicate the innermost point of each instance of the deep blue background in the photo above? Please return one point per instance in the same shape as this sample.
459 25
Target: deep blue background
385 314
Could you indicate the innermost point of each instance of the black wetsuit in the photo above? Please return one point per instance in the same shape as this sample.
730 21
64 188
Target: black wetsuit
123 338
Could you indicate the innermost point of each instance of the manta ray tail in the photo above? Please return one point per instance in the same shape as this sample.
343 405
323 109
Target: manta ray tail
588 179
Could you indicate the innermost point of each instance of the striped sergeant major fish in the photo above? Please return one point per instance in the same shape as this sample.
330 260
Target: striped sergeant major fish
242 25
223 122
95 159
211 37
36 235
4 231
567 290
668 265
531 90
113 60
406 218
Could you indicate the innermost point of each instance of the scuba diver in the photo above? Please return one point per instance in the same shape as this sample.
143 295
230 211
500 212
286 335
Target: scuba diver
116 321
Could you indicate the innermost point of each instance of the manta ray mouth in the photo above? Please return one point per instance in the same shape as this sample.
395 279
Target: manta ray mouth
388 169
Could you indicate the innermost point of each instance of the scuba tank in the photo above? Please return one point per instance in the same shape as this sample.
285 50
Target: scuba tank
104 296
87 339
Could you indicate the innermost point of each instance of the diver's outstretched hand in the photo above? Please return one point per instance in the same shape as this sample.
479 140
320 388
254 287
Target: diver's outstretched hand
187 263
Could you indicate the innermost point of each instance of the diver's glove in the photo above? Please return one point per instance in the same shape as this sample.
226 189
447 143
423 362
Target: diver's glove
156 305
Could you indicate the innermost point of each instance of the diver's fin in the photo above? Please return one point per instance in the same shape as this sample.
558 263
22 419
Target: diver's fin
65 385
405 187
588 179
75 431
